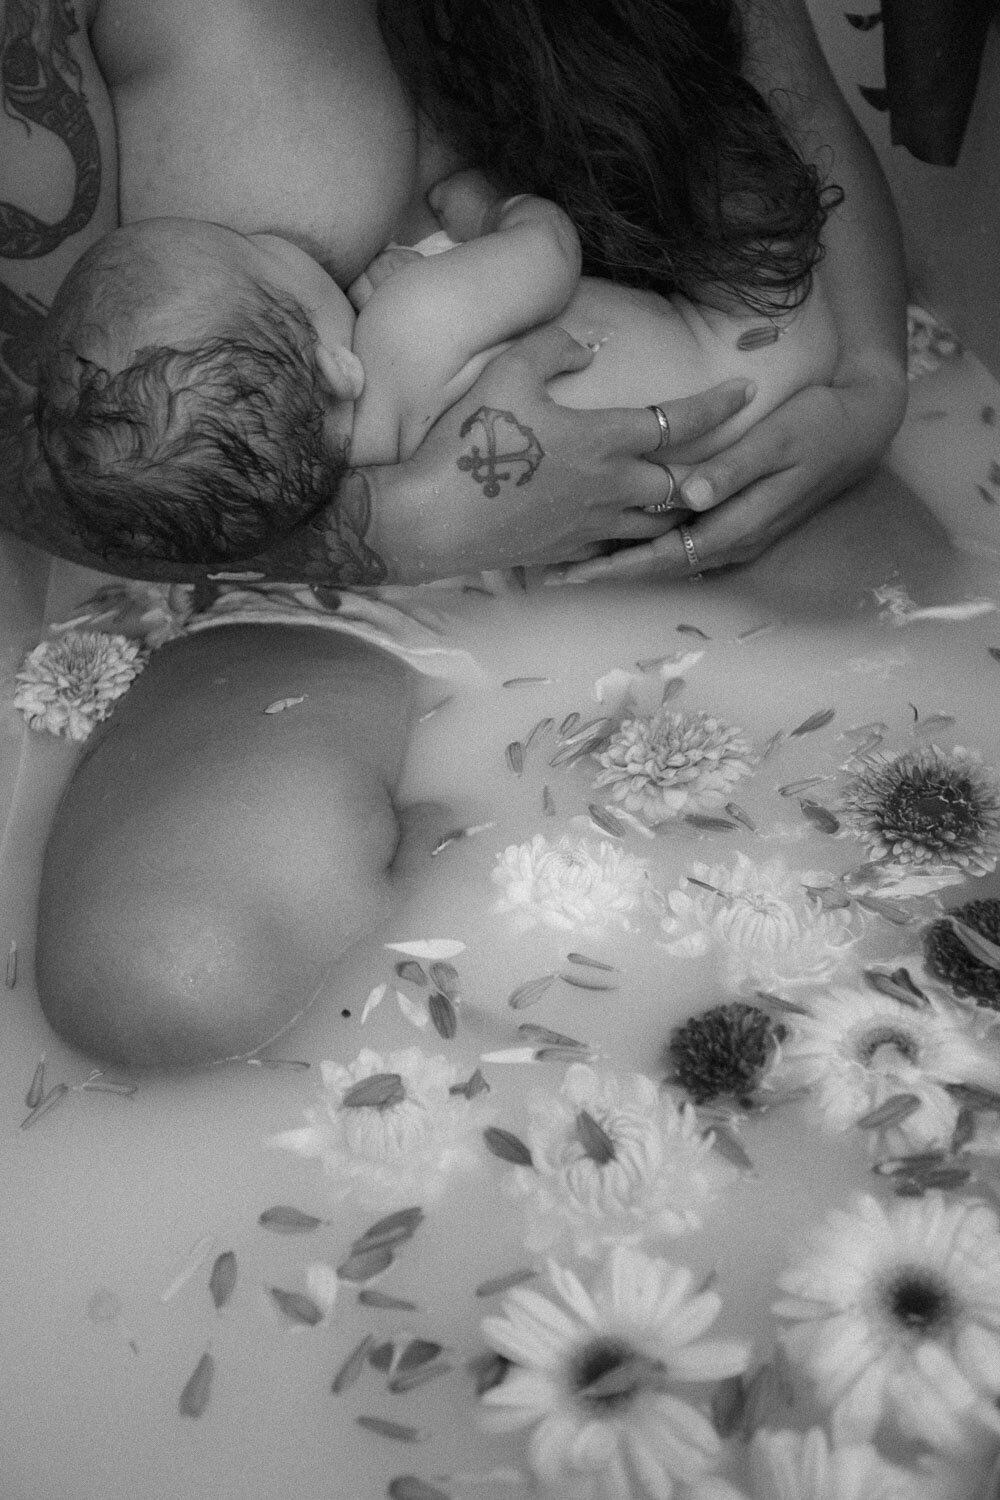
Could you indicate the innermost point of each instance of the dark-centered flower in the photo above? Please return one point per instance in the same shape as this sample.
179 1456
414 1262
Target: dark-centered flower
948 958
725 1050
928 808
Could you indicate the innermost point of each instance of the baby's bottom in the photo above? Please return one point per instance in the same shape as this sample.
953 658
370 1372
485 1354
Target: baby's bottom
210 862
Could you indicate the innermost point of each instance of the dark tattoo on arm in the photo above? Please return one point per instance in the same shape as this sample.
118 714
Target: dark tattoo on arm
331 548
41 85
506 448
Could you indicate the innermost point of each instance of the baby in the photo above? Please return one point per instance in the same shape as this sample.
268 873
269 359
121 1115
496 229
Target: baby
203 391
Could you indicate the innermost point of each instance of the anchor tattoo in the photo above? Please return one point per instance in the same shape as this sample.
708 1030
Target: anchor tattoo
498 462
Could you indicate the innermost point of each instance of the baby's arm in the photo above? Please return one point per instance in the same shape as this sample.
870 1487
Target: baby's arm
428 329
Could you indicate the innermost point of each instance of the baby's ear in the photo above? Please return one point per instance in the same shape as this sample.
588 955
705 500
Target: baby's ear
342 371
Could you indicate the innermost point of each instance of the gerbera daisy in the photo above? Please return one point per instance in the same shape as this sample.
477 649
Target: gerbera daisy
790 1465
570 885
857 1048
948 958
725 1050
668 764
388 1127
614 1160
595 1372
927 807
895 1315
761 920
68 685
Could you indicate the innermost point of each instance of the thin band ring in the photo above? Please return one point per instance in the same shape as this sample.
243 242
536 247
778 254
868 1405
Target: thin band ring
694 562
667 503
664 426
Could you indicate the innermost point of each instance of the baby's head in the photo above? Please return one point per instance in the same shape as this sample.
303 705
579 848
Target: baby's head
196 391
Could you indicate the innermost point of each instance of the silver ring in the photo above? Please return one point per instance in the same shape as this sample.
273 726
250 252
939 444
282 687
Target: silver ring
694 562
667 503
661 418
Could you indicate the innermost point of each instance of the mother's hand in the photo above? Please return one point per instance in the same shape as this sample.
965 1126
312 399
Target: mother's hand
507 476
812 448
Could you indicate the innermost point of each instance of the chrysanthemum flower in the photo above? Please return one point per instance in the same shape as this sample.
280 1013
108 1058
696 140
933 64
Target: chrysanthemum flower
948 958
668 764
595 1376
790 1465
857 1048
68 685
761 921
571 886
646 1172
895 1316
927 807
407 1140
723 1051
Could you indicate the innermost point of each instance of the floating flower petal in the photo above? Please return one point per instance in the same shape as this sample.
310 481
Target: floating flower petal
68 685
895 1316
570 885
389 1152
669 764
595 1372
654 1172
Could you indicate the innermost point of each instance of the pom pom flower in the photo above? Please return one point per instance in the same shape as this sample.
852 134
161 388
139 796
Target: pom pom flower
68 685
570 886
669 764
949 960
724 1051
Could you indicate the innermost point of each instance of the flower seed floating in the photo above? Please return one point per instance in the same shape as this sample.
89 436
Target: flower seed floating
606 821
515 757
377 1091
819 816
507 1146
587 962
445 976
350 1371
529 992
222 1281
365 1265
892 1112
443 1015
594 1139
409 969
297 1307
815 721
36 1088
194 1396
370 1296
284 1219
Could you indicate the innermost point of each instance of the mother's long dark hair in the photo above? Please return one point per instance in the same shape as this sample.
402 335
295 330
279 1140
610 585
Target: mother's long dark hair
635 117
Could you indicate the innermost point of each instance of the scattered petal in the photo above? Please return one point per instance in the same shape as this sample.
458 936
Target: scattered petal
498 1284
375 998
507 1146
529 992
353 1366
196 1256
297 1307
819 816
400 1432
443 1015
515 757
377 1091
284 1219
366 1264
222 1281
815 721
280 704
195 1395
409 969
48 1101
36 1088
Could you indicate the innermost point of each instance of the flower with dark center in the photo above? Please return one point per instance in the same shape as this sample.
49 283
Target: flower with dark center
927 807
725 1050
894 1314
948 959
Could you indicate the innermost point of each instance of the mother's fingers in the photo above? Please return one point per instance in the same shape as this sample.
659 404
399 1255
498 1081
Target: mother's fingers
687 418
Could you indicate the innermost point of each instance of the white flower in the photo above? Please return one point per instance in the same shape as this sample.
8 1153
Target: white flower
857 1048
595 1376
405 1143
895 1315
763 922
66 686
668 764
569 886
646 1173
803 1466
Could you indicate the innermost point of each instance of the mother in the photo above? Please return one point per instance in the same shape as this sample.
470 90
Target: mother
287 116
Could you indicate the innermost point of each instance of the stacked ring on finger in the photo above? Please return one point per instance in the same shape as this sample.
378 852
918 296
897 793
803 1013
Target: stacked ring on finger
664 426
690 551
669 501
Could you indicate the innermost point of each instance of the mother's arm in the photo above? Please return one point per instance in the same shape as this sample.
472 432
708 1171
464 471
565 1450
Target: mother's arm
827 437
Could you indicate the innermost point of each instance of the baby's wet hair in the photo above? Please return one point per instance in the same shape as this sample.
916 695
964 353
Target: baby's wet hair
210 451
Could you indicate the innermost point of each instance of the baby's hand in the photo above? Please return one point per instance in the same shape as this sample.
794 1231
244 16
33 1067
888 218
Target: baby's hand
385 264
465 204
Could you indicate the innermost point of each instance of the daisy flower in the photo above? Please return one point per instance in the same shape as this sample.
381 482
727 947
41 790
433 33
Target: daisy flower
761 921
668 764
66 686
615 1160
928 808
949 960
570 886
725 1050
895 1316
857 1048
790 1465
594 1375
388 1127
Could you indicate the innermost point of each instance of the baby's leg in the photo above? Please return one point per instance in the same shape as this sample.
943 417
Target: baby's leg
211 862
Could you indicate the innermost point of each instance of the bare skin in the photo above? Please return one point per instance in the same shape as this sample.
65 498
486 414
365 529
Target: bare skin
230 112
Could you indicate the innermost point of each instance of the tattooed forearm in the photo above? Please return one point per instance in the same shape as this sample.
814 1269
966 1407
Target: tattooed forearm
505 449
333 547
40 85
